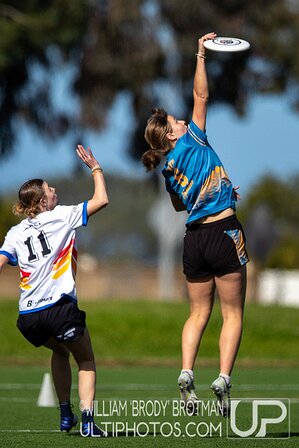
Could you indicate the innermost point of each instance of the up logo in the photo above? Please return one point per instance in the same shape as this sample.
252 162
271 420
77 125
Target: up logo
268 418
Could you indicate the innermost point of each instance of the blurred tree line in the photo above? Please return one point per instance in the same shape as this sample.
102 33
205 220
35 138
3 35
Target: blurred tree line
143 46
136 45
271 216
121 232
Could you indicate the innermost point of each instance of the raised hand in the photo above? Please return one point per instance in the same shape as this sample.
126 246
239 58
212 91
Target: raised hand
87 157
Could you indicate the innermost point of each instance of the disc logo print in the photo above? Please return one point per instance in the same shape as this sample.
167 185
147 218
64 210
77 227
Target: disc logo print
268 418
227 41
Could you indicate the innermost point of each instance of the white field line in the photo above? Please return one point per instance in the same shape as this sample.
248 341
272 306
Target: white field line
164 387
45 431
16 399
122 399
161 398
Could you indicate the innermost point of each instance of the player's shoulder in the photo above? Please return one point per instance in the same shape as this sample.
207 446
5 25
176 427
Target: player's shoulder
60 211
65 212
196 134
48 216
14 230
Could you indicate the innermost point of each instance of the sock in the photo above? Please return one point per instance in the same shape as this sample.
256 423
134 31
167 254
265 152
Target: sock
65 408
226 377
87 416
188 371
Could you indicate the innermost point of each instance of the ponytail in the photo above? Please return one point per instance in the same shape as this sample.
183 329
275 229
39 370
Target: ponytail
30 194
151 159
155 134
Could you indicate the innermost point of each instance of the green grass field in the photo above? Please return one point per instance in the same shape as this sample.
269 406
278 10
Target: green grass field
137 346
24 424
133 332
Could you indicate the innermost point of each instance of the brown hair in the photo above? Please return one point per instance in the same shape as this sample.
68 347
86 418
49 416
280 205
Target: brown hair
30 194
155 134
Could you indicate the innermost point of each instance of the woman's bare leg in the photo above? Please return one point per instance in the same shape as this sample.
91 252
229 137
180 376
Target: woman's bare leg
201 297
61 370
84 357
231 289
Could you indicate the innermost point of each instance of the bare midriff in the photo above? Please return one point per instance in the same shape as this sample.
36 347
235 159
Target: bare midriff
217 216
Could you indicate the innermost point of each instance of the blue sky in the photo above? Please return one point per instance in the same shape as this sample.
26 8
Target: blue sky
266 141
263 142
37 157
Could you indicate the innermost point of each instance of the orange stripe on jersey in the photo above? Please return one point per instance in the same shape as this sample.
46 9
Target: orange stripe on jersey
62 270
63 260
66 257
66 249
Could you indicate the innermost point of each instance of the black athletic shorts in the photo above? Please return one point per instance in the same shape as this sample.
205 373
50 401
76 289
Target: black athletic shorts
215 248
62 321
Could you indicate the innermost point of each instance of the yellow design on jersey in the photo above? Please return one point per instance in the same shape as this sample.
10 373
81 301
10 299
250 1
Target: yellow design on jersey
181 178
212 184
23 284
60 270
63 260
63 263
186 191
66 257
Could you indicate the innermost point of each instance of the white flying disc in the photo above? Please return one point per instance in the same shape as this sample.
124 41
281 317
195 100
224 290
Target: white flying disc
227 44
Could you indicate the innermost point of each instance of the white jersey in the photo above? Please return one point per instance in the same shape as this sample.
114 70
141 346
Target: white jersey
45 249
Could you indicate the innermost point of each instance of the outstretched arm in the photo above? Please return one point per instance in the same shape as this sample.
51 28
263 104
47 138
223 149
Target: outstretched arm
100 197
200 86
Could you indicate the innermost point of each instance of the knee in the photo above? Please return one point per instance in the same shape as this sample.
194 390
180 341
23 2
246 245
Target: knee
87 365
233 318
86 361
200 312
200 317
61 352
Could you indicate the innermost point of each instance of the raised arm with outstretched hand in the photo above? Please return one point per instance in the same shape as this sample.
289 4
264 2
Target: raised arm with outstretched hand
200 86
100 197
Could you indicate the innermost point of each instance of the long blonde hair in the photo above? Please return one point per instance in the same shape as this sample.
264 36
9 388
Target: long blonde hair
155 134
30 194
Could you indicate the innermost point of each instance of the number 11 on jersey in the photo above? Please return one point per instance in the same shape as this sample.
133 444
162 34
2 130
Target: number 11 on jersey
33 254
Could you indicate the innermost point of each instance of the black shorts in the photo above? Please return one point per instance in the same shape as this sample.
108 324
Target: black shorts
62 321
215 248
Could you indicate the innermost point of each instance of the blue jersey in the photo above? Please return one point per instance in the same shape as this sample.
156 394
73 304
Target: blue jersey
194 172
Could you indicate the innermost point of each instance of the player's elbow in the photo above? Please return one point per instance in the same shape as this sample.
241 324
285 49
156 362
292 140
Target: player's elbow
96 204
200 96
179 208
103 202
